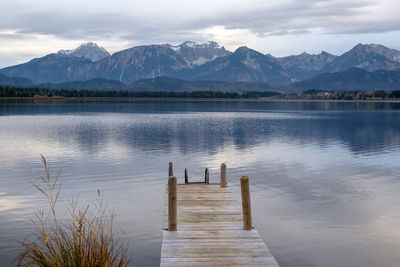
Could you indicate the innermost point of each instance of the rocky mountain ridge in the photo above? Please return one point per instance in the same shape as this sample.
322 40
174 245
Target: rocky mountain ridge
197 62
88 50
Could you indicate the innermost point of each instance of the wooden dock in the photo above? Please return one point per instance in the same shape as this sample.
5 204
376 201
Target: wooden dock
210 228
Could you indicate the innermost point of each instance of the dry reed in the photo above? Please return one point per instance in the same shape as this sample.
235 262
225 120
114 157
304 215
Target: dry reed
84 238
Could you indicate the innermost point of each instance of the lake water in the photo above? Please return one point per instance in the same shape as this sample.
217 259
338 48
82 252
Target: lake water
325 176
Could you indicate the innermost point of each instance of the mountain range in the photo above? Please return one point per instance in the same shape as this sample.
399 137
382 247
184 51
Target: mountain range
195 65
354 79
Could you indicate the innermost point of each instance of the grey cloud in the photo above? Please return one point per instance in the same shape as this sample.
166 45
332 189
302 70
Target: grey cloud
285 32
301 16
12 36
332 16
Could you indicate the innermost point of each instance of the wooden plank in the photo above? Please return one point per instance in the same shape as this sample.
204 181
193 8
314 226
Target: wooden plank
236 261
202 190
204 246
207 202
210 231
211 252
216 234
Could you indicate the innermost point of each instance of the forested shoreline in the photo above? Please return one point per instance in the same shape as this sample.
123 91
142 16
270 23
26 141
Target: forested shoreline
7 91
44 93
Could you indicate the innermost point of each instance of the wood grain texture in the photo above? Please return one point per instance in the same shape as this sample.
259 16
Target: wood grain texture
210 231
223 175
170 170
246 206
172 209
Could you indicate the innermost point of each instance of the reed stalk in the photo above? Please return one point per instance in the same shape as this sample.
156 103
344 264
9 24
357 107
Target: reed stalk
83 237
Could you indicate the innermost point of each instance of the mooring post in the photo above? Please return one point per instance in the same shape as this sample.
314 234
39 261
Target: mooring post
172 210
223 175
206 176
244 185
170 170
186 177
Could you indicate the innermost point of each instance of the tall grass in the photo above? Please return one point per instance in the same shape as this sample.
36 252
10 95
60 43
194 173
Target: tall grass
83 237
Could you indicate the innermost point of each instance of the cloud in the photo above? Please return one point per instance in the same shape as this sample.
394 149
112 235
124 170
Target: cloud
334 17
122 23
97 19
286 32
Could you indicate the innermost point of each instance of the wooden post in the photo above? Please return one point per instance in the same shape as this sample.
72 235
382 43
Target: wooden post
172 209
186 177
170 170
244 184
207 176
223 175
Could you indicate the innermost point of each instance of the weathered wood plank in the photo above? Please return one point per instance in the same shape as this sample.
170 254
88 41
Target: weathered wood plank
235 261
210 231
216 234
201 252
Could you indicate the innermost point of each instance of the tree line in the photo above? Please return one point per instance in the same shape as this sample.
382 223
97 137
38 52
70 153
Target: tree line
9 91
350 95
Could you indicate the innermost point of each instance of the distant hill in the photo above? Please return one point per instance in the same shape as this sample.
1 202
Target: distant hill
165 84
177 85
97 84
53 68
354 79
16 81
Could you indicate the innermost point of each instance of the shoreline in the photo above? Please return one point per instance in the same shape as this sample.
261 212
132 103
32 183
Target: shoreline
183 99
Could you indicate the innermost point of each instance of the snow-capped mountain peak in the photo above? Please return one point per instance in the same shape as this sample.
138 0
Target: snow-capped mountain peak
199 53
88 50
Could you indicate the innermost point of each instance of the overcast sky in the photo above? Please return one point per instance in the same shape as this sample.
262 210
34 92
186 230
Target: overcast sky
280 27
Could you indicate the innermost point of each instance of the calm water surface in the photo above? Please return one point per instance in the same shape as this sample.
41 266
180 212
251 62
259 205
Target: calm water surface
325 176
